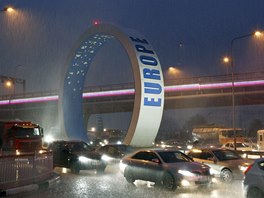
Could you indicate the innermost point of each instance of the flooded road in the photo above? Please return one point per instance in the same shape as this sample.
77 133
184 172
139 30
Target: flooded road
113 184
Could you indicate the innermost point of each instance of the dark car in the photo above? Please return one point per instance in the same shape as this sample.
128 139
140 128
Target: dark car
76 155
254 180
225 164
167 168
112 153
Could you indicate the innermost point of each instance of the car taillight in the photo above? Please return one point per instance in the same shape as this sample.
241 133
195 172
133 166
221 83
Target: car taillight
248 168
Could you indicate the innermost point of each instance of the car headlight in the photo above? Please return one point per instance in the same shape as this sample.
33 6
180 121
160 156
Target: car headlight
243 168
106 158
83 159
122 166
214 172
186 173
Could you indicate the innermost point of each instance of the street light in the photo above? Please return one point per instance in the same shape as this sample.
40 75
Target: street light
9 82
257 34
7 9
226 60
173 72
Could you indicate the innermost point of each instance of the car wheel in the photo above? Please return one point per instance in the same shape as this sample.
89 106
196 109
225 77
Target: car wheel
168 181
75 169
226 175
255 193
129 175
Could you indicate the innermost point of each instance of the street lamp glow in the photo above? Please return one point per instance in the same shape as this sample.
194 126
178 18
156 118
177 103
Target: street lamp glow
226 59
8 83
258 33
8 9
174 71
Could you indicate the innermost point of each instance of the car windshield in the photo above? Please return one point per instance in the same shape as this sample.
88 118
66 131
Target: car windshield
125 148
241 145
26 132
78 146
174 156
223 155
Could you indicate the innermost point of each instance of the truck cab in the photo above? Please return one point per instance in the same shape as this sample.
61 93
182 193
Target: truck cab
260 139
22 136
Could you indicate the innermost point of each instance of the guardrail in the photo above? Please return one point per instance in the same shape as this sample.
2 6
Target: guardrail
25 169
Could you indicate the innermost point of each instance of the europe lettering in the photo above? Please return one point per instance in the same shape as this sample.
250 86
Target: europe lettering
149 63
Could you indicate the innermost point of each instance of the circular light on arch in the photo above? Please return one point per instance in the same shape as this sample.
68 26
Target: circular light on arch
149 85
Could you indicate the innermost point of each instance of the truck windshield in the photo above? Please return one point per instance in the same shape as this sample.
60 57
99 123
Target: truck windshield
26 132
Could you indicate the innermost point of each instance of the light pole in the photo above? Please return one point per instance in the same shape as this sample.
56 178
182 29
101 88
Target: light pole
226 60
257 34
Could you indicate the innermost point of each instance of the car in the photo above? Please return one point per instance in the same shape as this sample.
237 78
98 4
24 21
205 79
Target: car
166 168
76 155
240 146
225 164
253 183
174 144
113 153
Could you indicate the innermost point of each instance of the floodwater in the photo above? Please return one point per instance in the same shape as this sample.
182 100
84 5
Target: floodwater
113 184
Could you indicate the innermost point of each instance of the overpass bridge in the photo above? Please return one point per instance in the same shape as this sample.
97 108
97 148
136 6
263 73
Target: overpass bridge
204 91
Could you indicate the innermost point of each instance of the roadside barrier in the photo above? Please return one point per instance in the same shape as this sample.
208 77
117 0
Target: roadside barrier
25 169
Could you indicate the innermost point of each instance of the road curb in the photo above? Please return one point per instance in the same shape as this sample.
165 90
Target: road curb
32 187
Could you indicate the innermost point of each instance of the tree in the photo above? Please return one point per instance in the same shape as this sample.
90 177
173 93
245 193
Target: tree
196 120
168 128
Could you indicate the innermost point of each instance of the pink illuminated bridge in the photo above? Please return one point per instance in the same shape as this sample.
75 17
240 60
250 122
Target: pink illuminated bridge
124 92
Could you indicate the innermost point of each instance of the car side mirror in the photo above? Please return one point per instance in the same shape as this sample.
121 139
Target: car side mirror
155 160
41 131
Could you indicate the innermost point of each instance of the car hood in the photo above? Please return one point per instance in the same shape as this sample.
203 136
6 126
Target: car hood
190 166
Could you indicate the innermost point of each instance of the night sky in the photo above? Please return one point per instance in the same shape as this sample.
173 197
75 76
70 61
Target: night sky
191 35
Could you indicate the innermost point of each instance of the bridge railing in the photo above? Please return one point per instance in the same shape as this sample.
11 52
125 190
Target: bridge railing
217 79
130 85
25 169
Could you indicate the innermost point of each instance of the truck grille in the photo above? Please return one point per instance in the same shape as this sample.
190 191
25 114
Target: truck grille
29 145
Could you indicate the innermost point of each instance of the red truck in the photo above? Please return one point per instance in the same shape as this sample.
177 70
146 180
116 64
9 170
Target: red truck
20 135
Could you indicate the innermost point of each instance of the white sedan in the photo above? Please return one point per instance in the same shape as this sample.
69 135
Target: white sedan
240 146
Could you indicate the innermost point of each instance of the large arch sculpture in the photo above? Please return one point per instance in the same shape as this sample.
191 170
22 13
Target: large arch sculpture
149 85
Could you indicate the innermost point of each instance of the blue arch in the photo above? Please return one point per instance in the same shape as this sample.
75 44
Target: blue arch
149 87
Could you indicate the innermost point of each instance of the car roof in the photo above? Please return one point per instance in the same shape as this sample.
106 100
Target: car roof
68 141
112 144
211 149
259 160
158 150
